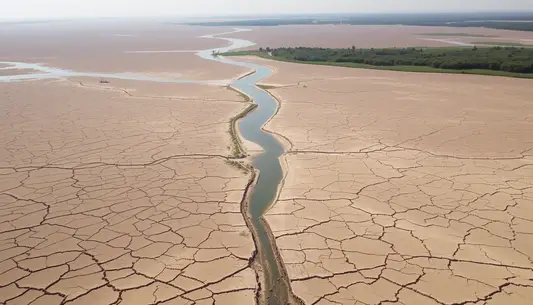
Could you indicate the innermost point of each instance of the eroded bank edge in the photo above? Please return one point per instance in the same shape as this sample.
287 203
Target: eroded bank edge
239 152
237 149
293 299
253 262
288 145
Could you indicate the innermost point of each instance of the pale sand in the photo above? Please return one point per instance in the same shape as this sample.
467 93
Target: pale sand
173 91
107 197
97 48
367 36
367 109
76 124
404 188
17 71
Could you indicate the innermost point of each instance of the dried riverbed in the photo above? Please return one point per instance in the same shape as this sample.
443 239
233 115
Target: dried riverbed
139 244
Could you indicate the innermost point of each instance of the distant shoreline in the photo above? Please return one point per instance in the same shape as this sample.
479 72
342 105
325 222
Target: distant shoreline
518 21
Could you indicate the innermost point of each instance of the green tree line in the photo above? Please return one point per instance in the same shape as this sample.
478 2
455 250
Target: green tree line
508 59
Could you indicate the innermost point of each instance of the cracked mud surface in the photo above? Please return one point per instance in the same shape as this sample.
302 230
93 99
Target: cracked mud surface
78 124
105 199
404 188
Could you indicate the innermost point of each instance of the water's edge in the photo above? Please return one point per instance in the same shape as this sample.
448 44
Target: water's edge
264 192
263 187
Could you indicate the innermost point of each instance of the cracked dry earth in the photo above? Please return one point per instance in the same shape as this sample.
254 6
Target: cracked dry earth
404 188
112 196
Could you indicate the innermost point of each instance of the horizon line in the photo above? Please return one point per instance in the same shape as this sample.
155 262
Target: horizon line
270 15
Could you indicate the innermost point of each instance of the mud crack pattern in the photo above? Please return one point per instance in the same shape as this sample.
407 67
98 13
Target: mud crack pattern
104 201
404 188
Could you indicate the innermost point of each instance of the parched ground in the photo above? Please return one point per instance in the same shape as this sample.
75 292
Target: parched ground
10 72
404 188
372 36
121 194
106 46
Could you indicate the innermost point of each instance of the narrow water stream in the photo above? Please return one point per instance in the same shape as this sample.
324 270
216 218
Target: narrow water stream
276 290
270 172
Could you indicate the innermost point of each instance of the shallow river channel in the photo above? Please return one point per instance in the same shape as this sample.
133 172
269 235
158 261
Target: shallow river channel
265 190
276 290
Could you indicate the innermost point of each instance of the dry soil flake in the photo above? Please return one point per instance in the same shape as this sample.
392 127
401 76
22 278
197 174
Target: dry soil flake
404 188
104 199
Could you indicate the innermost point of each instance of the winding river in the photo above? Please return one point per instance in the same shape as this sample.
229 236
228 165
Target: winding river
276 290
268 163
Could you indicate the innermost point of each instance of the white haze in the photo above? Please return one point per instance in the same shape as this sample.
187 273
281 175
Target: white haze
54 9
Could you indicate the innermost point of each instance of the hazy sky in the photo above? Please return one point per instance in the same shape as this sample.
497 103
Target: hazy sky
31 9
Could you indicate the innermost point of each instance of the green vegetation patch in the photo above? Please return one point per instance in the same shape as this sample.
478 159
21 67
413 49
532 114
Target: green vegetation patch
266 87
455 35
501 61
502 43
236 148
243 53
238 165
500 25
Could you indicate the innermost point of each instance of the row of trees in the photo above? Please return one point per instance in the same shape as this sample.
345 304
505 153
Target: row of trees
503 25
510 59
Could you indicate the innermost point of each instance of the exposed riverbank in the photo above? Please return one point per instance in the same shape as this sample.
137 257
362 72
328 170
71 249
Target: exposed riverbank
263 187
277 285
277 288
388 178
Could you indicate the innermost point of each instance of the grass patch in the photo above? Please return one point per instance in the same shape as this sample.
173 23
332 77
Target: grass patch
236 148
245 53
455 35
266 87
238 165
502 43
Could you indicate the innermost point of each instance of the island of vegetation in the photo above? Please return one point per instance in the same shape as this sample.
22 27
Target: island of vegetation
502 61
502 43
